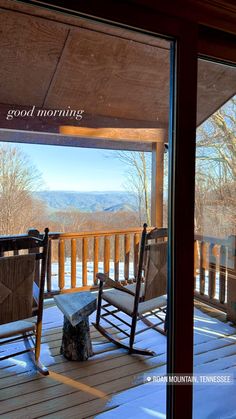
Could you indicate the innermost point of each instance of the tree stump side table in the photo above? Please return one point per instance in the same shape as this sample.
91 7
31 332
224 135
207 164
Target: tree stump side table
76 307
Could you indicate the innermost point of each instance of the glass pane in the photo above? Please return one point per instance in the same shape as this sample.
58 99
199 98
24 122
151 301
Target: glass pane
84 151
215 263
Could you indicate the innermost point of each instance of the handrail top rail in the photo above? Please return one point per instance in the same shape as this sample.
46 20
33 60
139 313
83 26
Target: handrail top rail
96 233
20 242
213 240
57 235
101 233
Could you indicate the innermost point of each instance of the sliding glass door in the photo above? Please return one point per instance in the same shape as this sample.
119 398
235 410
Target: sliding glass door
215 267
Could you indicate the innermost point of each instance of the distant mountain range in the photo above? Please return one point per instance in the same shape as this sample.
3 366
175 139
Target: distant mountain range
88 201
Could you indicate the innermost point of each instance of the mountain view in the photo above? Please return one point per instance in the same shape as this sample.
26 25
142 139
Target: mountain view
113 201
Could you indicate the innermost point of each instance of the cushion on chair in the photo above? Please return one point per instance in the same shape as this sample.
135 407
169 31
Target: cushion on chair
125 302
153 304
16 328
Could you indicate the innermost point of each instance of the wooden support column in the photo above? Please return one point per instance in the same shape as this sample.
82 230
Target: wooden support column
158 149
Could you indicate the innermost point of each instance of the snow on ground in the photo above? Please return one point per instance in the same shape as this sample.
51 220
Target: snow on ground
111 274
89 272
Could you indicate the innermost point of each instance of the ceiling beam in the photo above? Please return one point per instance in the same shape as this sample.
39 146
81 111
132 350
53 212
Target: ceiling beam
16 136
122 134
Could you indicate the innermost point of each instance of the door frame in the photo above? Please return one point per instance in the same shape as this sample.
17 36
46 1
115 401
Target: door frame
190 39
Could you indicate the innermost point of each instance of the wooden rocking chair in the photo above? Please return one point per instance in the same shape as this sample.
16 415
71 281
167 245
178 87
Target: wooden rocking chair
147 296
22 279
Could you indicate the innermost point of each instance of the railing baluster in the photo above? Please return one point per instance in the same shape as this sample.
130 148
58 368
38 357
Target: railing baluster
61 263
217 268
222 280
106 267
196 262
117 257
136 253
35 233
49 267
84 260
73 263
203 266
126 256
95 259
212 271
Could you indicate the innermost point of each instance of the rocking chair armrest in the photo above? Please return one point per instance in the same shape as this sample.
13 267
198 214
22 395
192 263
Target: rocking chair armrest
102 277
113 284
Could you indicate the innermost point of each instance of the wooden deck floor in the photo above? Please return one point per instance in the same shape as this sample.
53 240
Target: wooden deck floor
83 390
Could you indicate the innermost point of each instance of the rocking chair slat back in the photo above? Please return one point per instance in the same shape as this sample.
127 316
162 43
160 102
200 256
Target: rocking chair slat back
156 271
16 287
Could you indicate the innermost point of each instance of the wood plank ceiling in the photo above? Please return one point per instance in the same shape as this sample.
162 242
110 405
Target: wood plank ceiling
119 78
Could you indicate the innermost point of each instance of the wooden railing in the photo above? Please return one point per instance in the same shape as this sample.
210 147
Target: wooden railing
115 252
75 258
213 266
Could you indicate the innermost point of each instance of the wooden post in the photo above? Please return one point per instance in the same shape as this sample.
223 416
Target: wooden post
136 254
203 266
84 260
158 149
117 256
73 263
106 255
222 293
231 289
61 263
212 271
126 256
95 259
49 267
196 263
35 233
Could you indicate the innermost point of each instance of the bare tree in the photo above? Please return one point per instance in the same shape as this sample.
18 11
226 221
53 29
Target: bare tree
216 172
70 220
138 177
216 142
18 178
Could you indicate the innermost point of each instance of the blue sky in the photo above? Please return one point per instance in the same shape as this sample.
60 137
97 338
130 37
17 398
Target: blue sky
74 168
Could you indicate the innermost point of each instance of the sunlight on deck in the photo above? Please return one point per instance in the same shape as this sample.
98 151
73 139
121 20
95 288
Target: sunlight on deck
79 386
211 332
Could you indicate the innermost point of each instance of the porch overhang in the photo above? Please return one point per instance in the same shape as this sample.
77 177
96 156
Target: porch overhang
117 77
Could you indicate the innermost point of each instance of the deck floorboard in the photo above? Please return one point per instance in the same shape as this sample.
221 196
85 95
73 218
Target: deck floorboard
84 390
